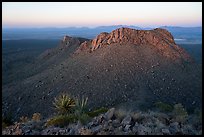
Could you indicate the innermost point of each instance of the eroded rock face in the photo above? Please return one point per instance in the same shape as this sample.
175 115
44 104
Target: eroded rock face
65 44
68 41
161 39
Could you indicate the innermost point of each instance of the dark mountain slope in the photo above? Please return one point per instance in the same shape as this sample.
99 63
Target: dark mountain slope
116 67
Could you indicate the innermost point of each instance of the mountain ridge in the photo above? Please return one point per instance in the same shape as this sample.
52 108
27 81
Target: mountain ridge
158 37
112 74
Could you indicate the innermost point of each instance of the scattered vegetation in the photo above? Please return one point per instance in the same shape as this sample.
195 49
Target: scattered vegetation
72 110
83 118
198 113
179 112
163 106
36 117
23 119
81 110
81 106
64 104
7 120
97 112
61 120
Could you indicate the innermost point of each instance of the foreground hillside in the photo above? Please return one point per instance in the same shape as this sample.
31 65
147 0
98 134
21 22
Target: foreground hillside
125 65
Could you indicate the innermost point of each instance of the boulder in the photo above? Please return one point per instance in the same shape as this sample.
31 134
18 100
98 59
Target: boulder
126 120
109 114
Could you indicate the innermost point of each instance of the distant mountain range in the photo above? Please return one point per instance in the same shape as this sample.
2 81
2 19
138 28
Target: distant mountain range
181 34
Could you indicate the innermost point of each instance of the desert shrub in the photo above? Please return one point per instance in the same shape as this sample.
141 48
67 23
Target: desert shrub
83 118
36 117
70 110
7 120
198 113
23 119
61 120
163 107
120 113
4 125
97 112
179 113
64 104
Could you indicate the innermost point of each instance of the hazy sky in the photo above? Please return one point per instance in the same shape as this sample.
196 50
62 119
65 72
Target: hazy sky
91 14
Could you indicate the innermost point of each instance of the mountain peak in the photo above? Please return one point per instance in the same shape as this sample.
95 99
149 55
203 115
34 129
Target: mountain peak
161 39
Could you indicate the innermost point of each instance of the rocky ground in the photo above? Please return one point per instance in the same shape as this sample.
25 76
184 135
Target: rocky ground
114 122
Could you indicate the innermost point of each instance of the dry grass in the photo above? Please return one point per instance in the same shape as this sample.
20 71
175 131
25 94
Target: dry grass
24 119
163 106
36 117
61 120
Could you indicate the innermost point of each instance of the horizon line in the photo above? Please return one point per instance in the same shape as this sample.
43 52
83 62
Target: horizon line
97 27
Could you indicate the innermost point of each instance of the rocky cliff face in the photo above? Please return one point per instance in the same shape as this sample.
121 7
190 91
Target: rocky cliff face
161 39
66 44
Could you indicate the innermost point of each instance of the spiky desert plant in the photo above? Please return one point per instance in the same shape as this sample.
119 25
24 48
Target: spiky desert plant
64 104
179 112
81 105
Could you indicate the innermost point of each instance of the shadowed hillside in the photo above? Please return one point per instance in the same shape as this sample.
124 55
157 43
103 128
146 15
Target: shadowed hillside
125 65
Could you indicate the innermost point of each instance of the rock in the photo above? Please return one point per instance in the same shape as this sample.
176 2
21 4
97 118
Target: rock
127 128
102 133
160 38
135 128
27 132
85 131
126 120
96 129
120 128
142 130
78 125
166 131
135 116
109 114
62 131
116 123
34 132
72 131
164 118
159 124
174 128
187 130
101 118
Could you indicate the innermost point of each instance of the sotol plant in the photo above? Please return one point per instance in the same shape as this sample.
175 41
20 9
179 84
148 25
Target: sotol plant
81 105
64 104
81 110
